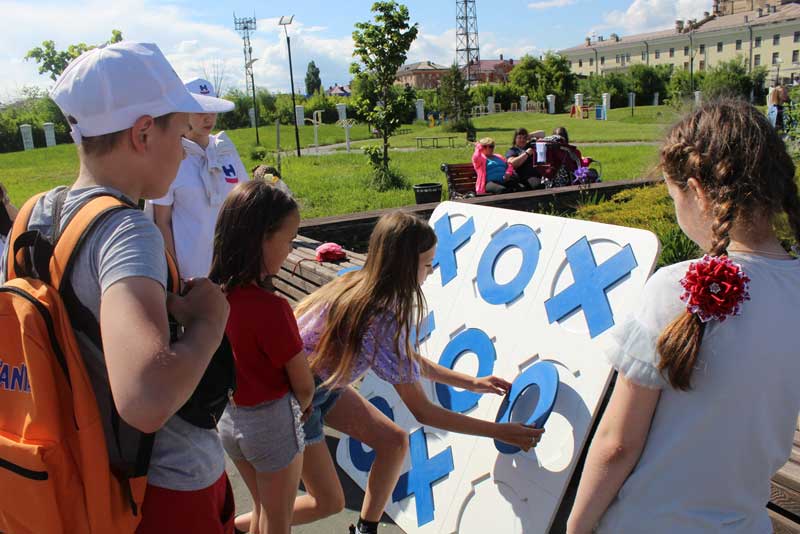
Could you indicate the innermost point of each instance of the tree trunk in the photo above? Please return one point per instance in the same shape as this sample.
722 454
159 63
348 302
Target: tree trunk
385 151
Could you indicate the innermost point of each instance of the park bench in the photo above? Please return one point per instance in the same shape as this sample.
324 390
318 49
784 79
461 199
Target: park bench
402 131
434 141
461 179
301 274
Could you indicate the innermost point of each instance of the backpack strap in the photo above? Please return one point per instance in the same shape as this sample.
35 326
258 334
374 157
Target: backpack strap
75 232
18 260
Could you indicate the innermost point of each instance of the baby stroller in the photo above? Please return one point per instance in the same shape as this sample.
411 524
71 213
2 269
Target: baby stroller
561 164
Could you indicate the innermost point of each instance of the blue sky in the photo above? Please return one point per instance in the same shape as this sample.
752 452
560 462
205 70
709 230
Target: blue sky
199 34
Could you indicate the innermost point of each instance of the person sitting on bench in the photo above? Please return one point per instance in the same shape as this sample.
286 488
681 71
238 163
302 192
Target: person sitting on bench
494 173
522 156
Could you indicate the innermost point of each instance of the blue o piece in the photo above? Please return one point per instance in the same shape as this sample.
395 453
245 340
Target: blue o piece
520 236
545 376
361 459
470 340
346 270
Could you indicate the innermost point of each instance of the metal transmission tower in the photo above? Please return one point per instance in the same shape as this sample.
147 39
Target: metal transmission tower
467 49
244 26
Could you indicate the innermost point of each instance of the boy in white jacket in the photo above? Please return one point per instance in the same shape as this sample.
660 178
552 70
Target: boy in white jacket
187 214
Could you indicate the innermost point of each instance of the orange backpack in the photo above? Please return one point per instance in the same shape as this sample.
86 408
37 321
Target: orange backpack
55 470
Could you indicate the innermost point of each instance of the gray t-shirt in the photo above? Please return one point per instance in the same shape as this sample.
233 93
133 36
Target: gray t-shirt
127 244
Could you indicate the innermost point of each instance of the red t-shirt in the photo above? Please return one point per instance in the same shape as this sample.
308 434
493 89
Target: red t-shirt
263 334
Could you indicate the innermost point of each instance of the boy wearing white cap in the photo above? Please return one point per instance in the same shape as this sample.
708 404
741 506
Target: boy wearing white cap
129 111
188 213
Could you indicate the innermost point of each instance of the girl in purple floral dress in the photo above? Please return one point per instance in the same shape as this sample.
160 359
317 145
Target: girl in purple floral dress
362 321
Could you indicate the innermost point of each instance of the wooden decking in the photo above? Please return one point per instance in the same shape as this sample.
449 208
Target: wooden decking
302 274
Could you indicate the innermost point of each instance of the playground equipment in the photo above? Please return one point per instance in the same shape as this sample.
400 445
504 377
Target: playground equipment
347 124
316 120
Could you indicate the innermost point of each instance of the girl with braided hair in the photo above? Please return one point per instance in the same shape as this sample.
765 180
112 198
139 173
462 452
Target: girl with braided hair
706 399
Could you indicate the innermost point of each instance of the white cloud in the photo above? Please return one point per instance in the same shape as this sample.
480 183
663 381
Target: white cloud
649 15
547 4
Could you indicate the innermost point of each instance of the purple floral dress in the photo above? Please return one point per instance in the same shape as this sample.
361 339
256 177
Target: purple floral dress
378 351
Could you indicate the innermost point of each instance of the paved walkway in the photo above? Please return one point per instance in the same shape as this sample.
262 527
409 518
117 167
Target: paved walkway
337 524
338 148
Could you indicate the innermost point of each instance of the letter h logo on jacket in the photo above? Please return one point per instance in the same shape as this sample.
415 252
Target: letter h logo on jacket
230 174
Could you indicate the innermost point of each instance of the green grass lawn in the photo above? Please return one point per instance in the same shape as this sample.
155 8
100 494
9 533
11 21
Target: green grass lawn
648 123
337 184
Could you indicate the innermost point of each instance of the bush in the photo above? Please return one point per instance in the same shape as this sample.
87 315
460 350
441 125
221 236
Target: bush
504 94
383 178
35 108
324 103
729 78
258 153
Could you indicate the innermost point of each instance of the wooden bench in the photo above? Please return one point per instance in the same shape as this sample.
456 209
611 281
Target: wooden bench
402 131
461 180
301 274
784 502
435 141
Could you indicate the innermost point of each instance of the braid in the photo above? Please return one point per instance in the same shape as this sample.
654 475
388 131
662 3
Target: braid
791 205
724 216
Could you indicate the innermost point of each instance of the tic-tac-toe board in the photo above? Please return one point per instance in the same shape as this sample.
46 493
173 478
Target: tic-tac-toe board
530 298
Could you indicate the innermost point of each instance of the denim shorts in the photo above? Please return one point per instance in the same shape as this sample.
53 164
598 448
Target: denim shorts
323 401
268 435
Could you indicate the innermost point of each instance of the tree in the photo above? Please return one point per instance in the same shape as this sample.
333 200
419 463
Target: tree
382 47
313 82
526 74
214 72
454 99
541 77
54 61
729 78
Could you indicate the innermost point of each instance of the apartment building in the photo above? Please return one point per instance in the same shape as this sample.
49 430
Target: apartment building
762 33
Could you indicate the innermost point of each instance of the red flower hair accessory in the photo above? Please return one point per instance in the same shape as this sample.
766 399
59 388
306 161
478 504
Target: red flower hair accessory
714 288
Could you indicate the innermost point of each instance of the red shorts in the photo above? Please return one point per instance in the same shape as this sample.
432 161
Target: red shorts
206 511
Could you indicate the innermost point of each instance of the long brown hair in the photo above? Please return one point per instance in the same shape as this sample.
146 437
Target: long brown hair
249 215
743 166
387 283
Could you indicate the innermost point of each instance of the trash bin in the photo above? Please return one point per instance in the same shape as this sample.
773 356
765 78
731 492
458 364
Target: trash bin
430 192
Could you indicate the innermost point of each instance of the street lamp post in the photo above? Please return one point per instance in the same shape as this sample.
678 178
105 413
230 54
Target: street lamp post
248 67
285 21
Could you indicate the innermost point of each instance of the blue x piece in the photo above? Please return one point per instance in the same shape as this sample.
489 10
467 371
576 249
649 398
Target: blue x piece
423 474
588 291
448 243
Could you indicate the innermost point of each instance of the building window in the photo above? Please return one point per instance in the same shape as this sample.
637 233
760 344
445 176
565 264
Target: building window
757 60
719 47
775 57
671 52
591 61
616 59
776 39
702 49
602 60
795 56
685 65
644 56
757 44
580 63
738 44
628 58
797 37
658 54
685 50
702 65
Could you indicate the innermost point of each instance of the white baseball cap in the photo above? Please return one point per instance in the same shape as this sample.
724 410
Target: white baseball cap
106 89
199 86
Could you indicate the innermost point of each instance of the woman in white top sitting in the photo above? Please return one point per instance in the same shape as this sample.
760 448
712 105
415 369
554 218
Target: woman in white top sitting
188 213
706 400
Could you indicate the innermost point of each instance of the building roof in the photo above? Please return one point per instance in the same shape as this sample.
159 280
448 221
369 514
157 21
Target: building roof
746 18
420 66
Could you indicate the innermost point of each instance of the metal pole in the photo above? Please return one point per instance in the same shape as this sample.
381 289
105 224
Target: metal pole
278 143
291 81
255 104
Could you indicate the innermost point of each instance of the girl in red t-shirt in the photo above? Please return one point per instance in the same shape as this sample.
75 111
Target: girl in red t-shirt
261 429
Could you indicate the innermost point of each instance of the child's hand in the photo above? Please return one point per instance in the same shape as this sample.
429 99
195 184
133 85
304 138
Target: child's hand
307 413
203 301
523 436
491 384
